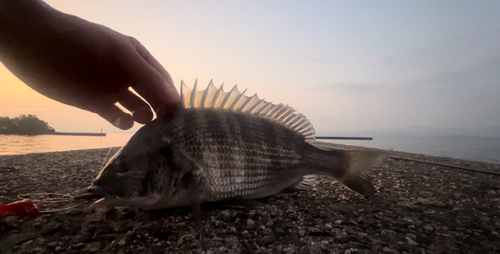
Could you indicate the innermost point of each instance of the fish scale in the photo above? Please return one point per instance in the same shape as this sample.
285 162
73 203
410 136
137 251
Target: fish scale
219 146
235 160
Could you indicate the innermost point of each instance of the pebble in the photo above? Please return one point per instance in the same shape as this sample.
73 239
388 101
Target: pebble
387 249
351 251
10 220
122 242
302 232
268 239
328 226
428 227
279 231
411 242
92 247
491 194
251 224
411 236
53 244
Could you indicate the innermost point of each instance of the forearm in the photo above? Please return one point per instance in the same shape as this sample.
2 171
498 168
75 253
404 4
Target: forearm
23 21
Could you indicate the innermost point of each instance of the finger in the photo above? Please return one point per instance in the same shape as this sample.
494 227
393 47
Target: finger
141 111
116 117
149 82
144 53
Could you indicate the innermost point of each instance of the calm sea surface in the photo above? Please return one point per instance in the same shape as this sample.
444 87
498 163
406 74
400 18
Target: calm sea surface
14 144
468 148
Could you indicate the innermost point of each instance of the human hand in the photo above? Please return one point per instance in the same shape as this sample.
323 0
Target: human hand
86 65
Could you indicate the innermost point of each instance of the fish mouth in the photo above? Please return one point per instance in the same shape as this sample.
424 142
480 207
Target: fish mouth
96 190
105 200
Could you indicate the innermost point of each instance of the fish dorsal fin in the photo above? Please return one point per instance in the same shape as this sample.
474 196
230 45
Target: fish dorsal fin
237 101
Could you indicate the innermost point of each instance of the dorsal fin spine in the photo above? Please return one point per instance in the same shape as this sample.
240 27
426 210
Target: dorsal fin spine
246 102
274 112
237 100
283 117
193 93
255 106
266 109
280 112
205 94
228 95
215 98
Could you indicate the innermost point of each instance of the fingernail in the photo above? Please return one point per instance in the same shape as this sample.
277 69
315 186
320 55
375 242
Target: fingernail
123 123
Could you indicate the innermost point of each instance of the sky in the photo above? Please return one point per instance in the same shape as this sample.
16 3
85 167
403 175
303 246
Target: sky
346 65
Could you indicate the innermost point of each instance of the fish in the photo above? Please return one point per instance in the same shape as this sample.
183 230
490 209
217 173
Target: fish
220 146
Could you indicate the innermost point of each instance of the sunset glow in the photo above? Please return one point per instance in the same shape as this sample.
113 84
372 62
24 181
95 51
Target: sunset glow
347 66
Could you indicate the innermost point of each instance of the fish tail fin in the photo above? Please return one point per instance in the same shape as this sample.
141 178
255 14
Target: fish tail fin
352 168
358 173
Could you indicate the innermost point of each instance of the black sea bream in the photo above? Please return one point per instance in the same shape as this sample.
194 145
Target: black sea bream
220 146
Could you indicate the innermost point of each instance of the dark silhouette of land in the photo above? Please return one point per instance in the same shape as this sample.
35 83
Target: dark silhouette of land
32 125
24 125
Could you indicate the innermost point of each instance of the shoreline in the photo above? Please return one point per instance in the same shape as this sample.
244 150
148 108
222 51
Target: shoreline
99 134
417 208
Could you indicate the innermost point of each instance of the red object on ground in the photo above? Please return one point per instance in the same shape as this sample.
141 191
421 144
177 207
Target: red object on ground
20 208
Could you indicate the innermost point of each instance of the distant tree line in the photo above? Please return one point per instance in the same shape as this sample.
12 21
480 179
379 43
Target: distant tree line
24 125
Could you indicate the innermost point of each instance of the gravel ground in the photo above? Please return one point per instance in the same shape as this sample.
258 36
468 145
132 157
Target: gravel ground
418 208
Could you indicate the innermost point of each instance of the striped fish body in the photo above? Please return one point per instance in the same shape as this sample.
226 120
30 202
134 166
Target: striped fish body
220 146
242 156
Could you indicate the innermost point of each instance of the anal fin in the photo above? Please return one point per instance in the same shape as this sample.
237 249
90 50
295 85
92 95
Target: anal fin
305 183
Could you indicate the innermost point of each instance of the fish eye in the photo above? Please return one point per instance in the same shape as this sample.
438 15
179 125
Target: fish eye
122 166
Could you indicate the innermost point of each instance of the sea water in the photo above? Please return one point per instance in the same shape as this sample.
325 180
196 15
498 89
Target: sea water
459 147
486 149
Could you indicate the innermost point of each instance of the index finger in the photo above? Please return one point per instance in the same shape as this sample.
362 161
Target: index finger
150 79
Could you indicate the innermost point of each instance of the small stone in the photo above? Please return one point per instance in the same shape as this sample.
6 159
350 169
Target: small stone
122 242
37 250
491 194
328 226
10 220
226 213
92 247
351 251
387 250
439 204
226 216
245 232
279 231
53 244
302 232
59 248
428 227
338 222
251 224
411 236
409 220
268 239
411 242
